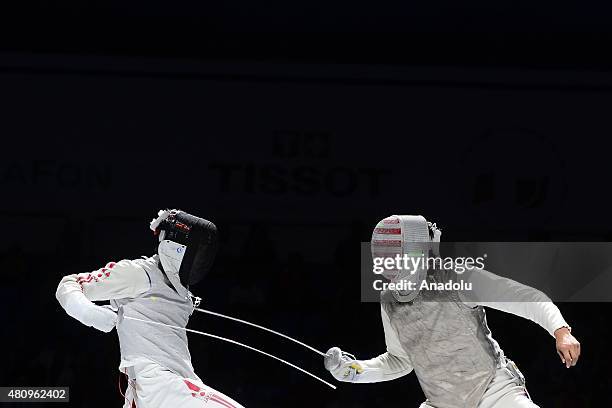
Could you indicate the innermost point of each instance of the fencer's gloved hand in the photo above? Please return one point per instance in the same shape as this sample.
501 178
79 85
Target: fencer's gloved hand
102 318
342 365
70 295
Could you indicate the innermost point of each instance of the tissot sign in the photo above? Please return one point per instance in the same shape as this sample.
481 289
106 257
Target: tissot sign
255 142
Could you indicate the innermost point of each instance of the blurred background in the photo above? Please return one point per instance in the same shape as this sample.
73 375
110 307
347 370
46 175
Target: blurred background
492 121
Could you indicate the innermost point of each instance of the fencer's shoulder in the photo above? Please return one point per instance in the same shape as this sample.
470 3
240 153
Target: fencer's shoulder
145 262
135 264
484 276
475 273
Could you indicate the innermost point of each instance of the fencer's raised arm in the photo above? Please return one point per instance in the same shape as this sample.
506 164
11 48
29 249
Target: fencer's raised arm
76 292
387 366
116 280
509 296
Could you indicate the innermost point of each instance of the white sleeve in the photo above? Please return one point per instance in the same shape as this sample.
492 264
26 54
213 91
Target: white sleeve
124 279
119 280
388 366
527 302
394 346
385 367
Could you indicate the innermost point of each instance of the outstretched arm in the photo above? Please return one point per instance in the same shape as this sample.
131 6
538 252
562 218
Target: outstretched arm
76 292
387 366
526 302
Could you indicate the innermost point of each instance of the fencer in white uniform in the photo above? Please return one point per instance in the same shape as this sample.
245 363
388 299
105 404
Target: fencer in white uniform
155 289
443 336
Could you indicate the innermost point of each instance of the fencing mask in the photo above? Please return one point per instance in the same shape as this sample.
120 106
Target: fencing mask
407 239
187 247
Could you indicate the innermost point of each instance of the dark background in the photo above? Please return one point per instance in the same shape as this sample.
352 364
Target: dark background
295 128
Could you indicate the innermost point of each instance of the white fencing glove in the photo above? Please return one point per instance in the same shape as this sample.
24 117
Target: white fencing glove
102 318
342 365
